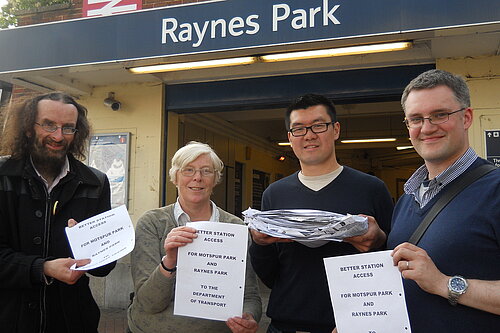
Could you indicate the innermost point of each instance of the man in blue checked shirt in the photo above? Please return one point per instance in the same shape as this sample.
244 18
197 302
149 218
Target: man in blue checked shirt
452 278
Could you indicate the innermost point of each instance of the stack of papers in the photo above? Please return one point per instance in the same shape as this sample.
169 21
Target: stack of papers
306 225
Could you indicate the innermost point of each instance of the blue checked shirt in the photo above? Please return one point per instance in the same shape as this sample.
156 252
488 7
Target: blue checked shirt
413 185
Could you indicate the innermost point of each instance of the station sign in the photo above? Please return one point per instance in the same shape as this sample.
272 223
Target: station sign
213 26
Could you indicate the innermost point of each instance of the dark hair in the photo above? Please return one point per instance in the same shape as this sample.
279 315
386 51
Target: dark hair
436 77
19 133
308 100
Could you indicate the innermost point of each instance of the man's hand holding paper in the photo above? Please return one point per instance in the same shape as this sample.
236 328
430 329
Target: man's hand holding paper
373 238
61 269
264 239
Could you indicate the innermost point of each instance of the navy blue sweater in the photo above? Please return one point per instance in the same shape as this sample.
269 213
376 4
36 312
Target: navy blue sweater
464 239
300 299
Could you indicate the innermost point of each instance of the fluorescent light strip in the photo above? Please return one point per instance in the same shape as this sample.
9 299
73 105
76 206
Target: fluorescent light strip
193 65
284 144
368 140
350 50
404 147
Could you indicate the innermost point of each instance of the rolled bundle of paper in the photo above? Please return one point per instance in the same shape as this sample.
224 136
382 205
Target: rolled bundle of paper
307 226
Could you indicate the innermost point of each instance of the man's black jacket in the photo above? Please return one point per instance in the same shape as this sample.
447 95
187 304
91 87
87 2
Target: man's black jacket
32 226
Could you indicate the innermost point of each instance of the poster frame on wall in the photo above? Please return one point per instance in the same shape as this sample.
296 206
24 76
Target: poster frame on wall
492 146
110 153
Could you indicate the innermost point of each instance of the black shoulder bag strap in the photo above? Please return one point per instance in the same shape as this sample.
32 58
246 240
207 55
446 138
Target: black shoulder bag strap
467 179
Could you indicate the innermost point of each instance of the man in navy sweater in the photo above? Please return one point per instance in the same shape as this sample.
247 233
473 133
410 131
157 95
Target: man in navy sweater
300 300
451 278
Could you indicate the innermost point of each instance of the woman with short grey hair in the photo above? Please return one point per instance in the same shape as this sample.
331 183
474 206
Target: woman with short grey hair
196 170
191 152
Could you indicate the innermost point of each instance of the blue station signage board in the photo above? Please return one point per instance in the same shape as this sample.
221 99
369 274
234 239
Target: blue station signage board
226 25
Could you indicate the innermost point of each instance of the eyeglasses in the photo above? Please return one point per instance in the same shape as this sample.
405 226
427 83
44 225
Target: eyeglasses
435 119
51 128
190 172
316 128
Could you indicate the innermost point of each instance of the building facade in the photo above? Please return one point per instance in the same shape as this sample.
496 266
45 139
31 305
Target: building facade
239 109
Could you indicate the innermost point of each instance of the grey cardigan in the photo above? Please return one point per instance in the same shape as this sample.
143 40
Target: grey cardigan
152 307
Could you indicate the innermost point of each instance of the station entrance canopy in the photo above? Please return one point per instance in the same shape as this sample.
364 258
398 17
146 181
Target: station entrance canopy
226 25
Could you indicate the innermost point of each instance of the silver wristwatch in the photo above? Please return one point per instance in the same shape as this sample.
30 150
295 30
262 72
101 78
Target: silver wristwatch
457 286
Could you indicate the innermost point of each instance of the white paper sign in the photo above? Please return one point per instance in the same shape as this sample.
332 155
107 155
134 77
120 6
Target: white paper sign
103 238
210 280
367 293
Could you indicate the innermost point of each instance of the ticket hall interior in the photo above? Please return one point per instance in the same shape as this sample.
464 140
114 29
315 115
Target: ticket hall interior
225 113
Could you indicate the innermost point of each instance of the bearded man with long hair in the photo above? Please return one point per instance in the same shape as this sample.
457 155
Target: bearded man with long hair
43 189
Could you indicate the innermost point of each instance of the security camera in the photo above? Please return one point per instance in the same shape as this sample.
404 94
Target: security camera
112 102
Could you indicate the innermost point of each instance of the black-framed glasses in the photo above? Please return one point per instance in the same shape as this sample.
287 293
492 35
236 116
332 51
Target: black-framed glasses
204 172
316 128
51 128
435 119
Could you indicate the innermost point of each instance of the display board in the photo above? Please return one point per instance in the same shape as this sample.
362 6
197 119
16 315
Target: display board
109 153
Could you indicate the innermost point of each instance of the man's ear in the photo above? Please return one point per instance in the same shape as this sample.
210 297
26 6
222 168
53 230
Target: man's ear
336 130
468 117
